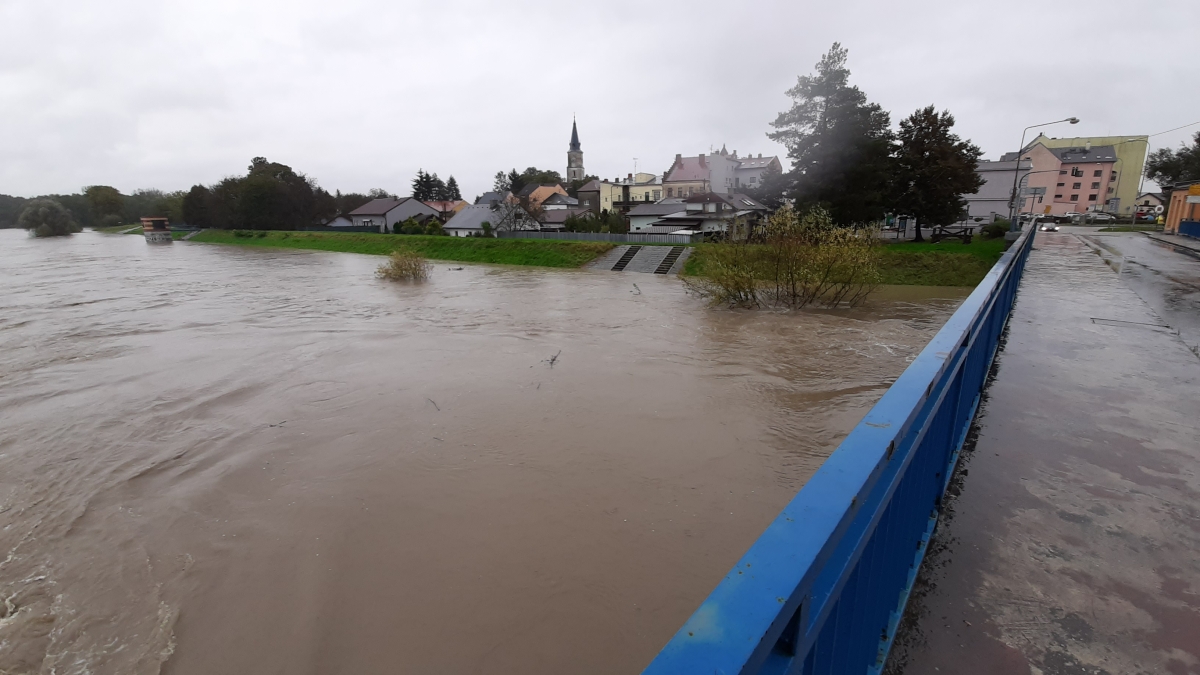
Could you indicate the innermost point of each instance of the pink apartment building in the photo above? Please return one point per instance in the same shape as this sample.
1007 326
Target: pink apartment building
1076 179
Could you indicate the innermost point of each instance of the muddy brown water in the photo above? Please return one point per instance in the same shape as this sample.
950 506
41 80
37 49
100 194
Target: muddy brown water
236 460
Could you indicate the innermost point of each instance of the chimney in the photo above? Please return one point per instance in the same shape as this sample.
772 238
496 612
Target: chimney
1087 147
702 160
760 155
630 178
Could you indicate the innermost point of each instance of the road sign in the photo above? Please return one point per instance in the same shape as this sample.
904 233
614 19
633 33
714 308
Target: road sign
1159 209
1033 191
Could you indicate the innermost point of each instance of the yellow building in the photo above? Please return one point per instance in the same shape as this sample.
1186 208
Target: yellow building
1131 161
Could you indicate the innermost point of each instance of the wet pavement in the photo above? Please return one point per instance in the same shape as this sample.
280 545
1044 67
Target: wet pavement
248 460
1069 543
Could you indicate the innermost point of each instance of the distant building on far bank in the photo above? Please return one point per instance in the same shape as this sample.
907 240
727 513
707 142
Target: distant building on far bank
385 213
1100 173
721 172
992 200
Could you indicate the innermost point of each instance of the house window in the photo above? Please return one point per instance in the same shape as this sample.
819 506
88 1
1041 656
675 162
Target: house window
1113 176
1062 185
752 180
1063 172
1074 198
657 195
1039 199
1096 185
1091 198
1058 196
1077 172
648 196
1076 186
1097 173
1110 191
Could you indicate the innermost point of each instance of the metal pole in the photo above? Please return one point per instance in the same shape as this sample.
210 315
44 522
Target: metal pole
1012 202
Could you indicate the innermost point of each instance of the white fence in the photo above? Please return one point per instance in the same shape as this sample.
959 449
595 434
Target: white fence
602 236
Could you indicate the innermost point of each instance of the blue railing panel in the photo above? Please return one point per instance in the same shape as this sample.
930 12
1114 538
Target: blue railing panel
822 589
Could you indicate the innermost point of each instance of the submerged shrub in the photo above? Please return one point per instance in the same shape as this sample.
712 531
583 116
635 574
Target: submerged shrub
47 218
806 259
404 265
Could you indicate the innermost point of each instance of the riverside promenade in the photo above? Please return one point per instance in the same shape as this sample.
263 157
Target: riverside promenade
1070 541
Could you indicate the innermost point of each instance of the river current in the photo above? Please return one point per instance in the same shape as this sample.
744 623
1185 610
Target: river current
237 460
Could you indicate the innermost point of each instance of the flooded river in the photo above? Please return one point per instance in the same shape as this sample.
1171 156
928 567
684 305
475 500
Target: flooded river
236 460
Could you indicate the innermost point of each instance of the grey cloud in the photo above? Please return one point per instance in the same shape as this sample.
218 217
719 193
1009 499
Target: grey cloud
361 94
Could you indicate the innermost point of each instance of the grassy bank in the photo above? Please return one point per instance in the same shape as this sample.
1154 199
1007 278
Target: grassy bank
947 263
539 252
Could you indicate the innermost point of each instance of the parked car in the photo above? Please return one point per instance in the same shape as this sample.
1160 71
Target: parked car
1098 217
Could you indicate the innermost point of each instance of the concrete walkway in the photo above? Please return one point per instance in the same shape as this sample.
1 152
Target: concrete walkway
1187 244
1071 543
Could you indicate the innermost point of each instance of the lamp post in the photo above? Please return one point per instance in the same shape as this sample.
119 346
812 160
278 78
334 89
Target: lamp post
1012 203
1025 181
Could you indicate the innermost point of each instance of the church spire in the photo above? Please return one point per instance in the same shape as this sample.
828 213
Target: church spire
575 156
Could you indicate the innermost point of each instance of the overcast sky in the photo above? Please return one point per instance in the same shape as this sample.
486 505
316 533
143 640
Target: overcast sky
361 93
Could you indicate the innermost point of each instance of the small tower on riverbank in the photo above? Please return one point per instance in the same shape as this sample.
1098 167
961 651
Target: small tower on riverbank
574 156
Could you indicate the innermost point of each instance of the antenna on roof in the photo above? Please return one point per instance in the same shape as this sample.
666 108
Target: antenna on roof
635 166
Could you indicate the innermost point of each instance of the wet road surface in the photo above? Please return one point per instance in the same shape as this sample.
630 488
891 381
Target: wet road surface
237 460
1069 545
1164 278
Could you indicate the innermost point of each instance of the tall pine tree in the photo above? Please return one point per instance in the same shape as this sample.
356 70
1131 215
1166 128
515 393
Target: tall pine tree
934 169
452 192
839 144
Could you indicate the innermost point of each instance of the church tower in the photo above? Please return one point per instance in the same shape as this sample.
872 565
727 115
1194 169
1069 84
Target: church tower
574 156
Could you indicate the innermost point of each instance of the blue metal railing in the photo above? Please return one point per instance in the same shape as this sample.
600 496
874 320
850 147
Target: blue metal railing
1190 228
824 587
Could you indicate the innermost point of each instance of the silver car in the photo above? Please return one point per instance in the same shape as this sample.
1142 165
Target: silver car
1049 226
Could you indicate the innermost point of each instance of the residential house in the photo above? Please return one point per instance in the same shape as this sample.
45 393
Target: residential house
1147 201
554 220
643 216
339 221
533 195
620 195
447 209
1129 152
992 200
721 172
1076 179
499 216
559 201
490 198
715 215
385 213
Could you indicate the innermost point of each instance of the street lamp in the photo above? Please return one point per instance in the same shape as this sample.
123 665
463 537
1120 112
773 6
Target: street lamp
1024 181
1012 202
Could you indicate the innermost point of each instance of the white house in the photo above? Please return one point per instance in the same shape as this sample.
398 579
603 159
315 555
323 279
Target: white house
643 216
469 221
339 221
386 213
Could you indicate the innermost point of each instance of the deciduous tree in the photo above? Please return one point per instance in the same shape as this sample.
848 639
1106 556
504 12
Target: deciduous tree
47 218
934 168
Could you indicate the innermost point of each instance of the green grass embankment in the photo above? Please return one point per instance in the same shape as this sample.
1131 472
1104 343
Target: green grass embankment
947 263
539 252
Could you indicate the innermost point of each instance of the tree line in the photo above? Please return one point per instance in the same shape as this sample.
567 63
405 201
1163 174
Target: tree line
270 196
847 160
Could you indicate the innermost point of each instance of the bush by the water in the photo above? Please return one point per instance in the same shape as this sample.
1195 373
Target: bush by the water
805 259
404 265
994 231
47 218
